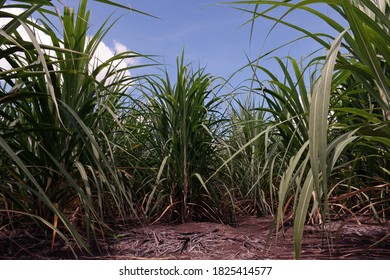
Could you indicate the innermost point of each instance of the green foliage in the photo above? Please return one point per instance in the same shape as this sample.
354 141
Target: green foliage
248 171
324 127
88 145
57 123
178 123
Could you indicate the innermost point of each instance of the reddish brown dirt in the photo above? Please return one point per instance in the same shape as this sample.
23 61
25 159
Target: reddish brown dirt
357 238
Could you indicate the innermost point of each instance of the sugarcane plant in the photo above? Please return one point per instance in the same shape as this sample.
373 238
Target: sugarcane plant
58 121
180 121
344 109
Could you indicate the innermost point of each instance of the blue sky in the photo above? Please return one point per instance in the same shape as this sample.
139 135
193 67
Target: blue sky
211 34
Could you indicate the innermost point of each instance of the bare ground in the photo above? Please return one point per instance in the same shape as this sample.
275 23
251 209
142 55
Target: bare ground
354 238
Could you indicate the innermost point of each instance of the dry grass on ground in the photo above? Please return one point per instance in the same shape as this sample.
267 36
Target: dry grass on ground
353 238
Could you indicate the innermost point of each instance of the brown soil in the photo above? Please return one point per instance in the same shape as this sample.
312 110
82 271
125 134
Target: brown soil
357 238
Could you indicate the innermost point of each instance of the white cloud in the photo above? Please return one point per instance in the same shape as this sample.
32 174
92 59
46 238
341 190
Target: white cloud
120 48
102 53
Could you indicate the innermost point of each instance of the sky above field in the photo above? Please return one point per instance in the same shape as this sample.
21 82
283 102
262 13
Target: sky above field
213 35
209 33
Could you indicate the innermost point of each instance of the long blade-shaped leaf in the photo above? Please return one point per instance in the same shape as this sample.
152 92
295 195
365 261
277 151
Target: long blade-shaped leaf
318 121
